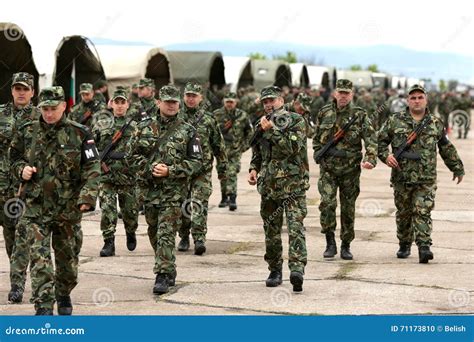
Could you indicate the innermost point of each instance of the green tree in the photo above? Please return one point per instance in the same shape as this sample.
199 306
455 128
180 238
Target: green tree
290 57
355 67
442 85
257 55
373 68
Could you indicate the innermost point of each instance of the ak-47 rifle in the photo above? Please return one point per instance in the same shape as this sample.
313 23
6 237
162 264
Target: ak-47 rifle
106 153
329 148
402 152
88 114
257 136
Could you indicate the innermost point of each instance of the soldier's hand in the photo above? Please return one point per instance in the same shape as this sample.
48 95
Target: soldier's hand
85 207
161 170
392 162
227 124
221 176
459 179
28 172
252 179
367 165
266 124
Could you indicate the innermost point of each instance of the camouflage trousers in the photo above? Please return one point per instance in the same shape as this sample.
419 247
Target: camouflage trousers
414 203
271 212
349 189
195 208
229 184
163 223
108 203
7 217
47 280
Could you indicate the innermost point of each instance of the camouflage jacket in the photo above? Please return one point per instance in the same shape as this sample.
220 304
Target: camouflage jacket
309 123
316 105
10 118
67 166
210 136
79 111
143 108
237 137
170 141
104 129
280 157
395 132
329 120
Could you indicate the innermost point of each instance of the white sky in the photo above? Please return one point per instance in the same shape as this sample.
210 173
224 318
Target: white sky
421 25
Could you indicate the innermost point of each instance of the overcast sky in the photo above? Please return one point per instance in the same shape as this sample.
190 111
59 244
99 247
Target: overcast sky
446 26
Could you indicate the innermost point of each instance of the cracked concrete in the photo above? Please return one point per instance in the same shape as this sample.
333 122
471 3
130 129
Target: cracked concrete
229 278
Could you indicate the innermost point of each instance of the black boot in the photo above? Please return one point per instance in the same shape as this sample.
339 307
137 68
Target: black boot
199 247
404 251
232 203
161 284
224 201
131 241
296 279
109 247
331 248
274 279
119 215
425 254
15 295
64 305
346 251
172 279
44 312
183 245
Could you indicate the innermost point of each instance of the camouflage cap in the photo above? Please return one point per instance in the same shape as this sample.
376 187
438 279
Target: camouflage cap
344 85
230 96
416 87
270 92
169 93
305 101
134 85
192 88
51 96
86 88
120 93
23 78
146 82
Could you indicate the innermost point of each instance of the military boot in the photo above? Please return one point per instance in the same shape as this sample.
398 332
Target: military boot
404 251
15 295
346 251
274 279
172 278
183 245
224 201
64 305
161 284
425 254
131 241
44 312
296 279
109 247
331 248
199 247
232 203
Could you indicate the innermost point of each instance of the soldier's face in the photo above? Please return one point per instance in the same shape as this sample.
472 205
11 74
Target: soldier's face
230 105
168 108
87 97
52 114
343 98
272 103
192 100
21 95
119 106
417 102
145 92
298 107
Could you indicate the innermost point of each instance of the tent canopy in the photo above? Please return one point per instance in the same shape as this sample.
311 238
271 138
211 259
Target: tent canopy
270 72
204 67
238 72
358 78
319 76
299 75
381 80
15 56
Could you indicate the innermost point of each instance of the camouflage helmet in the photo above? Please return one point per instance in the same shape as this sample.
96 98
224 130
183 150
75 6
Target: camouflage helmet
169 93
146 82
51 96
193 88
305 101
86 88
120 93
231 96
344 85
270 92
24 79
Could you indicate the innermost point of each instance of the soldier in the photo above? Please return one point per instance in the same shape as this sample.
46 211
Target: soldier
14 114
100 91
167 153
414 172
146 93
57 162
212 144
83 112
134 98
236 130
317 103
302 105
277 165
340 167
117 180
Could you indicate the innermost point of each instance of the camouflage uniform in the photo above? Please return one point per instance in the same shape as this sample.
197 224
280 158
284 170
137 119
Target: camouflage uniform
316 104
236 139
342 172
305 103
414 184
278 158
84 112
171 141
67 177
212 144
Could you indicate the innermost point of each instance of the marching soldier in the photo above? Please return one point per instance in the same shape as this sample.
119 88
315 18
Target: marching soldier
83 112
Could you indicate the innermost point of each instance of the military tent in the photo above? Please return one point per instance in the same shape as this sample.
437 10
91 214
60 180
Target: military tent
238 72
299 75
268 72
359 79
382 80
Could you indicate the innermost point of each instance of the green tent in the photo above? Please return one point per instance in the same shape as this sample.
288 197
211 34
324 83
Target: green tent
270 72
